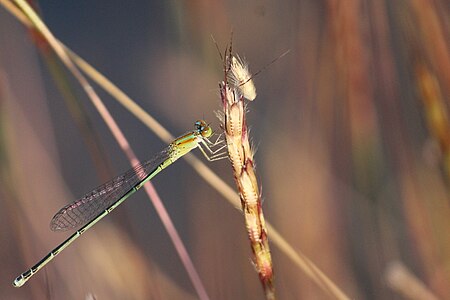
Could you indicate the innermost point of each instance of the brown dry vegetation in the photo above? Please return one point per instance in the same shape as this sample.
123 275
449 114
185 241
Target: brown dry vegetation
351 129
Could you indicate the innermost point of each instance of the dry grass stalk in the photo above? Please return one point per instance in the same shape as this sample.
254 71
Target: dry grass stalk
241 157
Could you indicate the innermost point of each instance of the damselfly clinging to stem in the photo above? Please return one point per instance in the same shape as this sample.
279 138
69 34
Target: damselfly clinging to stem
91 208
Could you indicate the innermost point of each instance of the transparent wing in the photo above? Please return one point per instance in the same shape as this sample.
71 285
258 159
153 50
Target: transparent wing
93 203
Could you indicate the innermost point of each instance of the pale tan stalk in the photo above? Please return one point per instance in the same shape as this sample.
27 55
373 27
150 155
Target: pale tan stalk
241 157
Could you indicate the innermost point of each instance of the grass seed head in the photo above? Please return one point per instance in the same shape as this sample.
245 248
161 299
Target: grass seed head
241 78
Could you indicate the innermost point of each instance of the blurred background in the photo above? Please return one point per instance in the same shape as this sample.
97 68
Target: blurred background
351 130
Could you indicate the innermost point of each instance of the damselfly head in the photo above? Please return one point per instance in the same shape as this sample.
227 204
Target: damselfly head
203 128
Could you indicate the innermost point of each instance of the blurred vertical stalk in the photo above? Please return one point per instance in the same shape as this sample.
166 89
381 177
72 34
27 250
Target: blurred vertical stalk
427 42
436 112
241 157
74 105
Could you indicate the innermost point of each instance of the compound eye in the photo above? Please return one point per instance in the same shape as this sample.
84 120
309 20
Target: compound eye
206 131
